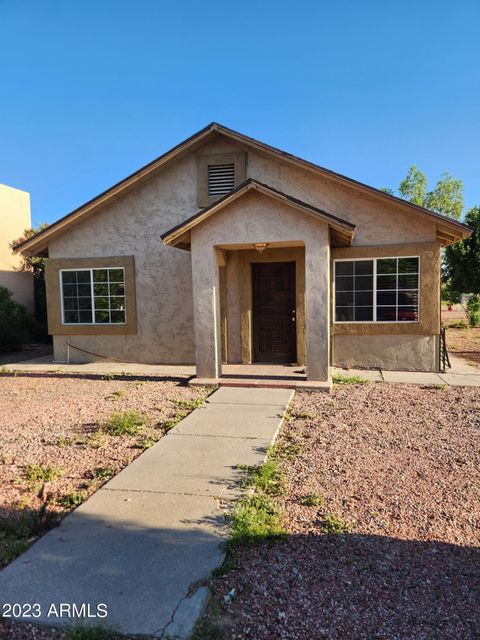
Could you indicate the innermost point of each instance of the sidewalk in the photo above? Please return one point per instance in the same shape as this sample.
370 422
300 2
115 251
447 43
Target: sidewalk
147 540
255 375
461 374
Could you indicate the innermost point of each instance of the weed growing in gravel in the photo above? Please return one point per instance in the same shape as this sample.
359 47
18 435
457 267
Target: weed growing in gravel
256 518
305 416
172 422
312 500
109 376
72 499
119 393
332 524
17 533
104 473
147 442
265 477
81 631
440 387
38 473
284 451
190 405
207 630
125 423
340 378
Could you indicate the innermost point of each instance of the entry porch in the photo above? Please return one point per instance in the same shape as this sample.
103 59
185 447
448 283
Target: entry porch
261 281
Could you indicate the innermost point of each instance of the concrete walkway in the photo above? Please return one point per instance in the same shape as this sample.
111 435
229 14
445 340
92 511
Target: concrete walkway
144 542
254 375
461 374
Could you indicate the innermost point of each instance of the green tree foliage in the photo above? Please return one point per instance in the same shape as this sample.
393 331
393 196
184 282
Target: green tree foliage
37 267
414 187
446 197
462 259
14 322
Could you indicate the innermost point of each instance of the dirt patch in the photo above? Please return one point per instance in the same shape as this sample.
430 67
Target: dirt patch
464 343
395 469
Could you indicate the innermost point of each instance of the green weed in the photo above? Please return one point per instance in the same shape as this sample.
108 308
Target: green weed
119 393
72 499
332 524
256 518
104 473
340 378
190 405
312 500
37 473
122 423
82 631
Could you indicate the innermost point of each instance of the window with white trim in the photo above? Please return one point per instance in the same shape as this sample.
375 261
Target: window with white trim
377 290
93 296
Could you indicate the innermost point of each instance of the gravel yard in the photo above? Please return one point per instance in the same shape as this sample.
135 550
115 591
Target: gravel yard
394 471
57 447
464 343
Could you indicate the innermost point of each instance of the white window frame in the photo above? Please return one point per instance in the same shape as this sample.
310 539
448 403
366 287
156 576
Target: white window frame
388 322
93 323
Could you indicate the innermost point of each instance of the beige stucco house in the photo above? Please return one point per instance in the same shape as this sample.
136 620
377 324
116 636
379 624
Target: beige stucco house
14 219
227 250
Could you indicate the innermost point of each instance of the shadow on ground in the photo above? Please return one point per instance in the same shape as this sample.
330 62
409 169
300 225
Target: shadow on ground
351 587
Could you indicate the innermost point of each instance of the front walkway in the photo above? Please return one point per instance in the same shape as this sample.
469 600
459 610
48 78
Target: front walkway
147 540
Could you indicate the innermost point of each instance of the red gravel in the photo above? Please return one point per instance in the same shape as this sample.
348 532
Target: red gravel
53 422
400 465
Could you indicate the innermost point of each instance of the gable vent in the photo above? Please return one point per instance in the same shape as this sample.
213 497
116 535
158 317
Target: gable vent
221 179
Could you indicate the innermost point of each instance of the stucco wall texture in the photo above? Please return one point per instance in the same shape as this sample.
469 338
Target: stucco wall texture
133 224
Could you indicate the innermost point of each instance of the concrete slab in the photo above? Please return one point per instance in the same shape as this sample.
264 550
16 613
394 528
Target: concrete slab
460 380
367 374
138 553
195 465
412 377
217 419
229 395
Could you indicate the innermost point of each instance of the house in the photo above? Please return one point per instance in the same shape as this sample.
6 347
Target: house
14 219
227 250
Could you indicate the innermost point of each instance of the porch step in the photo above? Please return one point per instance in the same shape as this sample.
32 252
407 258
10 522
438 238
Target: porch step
261 383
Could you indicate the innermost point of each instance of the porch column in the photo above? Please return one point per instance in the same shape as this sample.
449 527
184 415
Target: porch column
317 302
206 311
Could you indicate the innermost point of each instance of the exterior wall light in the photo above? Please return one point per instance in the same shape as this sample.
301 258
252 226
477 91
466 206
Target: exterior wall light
260 246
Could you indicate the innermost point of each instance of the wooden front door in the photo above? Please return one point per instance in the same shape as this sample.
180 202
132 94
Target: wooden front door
274 312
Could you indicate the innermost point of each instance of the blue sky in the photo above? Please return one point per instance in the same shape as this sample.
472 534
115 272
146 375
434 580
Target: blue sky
90 91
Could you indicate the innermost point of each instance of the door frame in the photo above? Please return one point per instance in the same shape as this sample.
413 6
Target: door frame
285 254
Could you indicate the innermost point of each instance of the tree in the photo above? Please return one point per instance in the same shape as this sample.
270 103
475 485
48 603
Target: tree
462 259
414 187
446 197
37 267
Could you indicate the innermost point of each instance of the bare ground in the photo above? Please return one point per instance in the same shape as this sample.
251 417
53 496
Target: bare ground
398 467
464 343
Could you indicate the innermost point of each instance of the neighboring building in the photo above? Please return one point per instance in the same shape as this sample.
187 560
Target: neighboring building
225 249
14 219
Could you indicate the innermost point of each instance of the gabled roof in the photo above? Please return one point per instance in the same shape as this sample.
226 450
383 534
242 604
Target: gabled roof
449 230
342 231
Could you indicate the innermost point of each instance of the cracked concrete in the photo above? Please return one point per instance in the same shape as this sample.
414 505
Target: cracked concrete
147 541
